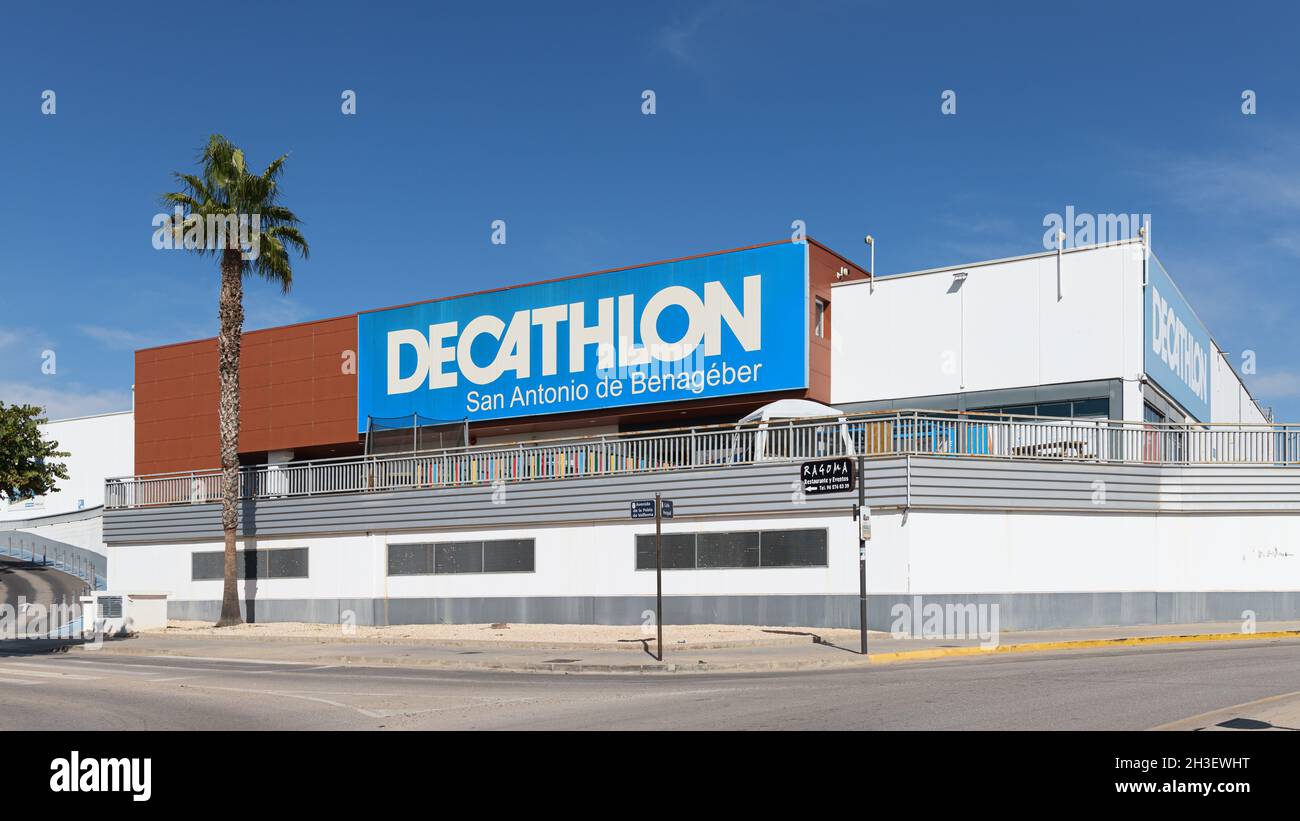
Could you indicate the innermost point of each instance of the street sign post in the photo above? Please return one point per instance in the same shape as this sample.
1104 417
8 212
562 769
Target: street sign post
659 577
863 514
660 509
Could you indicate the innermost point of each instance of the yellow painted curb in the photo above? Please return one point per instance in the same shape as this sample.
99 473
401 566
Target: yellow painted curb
1084 644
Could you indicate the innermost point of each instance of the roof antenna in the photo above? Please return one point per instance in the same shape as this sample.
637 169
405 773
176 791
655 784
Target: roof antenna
1144 231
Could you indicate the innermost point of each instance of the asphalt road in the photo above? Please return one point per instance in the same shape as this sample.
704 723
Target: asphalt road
1113 689
36 583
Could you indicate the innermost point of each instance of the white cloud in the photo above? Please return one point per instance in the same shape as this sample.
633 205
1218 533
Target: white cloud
116 338
1280 384
7 338
1256 184
262 310
678 38
66 403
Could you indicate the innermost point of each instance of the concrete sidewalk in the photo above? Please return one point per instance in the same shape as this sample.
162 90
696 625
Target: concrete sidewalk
788 649
1280 712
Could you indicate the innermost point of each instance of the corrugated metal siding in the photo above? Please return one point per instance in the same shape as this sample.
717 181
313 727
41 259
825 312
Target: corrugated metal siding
1017 485
765 489
747 490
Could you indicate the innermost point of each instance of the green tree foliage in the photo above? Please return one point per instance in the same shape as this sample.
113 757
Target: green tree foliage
28 462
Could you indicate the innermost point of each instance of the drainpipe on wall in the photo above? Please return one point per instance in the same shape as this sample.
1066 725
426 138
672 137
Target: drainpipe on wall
1060 247
907 500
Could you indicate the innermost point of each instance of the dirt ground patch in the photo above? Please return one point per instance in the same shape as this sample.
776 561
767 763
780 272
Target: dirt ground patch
600 634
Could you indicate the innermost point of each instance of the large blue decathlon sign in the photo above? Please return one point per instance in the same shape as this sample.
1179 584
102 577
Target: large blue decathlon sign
720 325
1178 347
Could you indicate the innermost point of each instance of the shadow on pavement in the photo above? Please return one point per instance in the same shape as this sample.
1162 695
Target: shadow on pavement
30 647
1251 724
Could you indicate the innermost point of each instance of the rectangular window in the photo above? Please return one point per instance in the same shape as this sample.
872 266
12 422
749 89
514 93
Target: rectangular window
508 556
276 563
286 564
741 549
410 559
678 548
1054 409
794 548
822 309
207 566
498 556
1092 409
727 549
458 557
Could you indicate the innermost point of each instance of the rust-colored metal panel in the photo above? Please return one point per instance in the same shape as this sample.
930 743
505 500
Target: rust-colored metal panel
824 267
294 394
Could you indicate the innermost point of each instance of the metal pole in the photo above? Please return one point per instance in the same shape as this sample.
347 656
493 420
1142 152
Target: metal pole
659 576
862 557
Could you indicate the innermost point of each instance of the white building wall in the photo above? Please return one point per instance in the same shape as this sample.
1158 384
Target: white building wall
1003 327
1229 399
583 560
99 447
931 552
87 533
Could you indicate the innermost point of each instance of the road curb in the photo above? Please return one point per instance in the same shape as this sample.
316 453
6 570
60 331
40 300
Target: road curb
622 645
1212 718
699 666
1081 644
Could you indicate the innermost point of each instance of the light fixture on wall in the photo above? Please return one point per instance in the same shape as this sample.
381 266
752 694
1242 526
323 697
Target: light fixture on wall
871 271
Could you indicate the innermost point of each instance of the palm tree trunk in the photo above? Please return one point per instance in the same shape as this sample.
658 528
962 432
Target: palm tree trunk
231 314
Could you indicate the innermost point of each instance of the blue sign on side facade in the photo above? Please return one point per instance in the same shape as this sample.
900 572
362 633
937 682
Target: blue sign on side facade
720 325
1178 347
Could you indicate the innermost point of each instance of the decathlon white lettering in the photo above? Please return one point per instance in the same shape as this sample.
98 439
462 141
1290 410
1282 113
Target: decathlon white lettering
705 314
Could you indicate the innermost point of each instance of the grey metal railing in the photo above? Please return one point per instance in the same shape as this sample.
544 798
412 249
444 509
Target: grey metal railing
873 435
67 561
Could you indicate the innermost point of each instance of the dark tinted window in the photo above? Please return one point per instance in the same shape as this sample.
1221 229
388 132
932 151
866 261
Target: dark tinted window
286 564
410 559
279 563
1060 409
678 548
1092 407
793 548
727 549
458 557
206 566
508 556
768 548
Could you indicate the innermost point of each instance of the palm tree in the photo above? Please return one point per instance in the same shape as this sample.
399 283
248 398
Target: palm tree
212 206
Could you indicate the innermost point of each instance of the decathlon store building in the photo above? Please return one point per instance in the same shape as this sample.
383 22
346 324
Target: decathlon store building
1058 434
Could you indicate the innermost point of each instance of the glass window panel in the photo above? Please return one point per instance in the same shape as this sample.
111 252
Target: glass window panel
678 550
793 548
458 557
207 566
508 556
727 549
1092 408
410 559
289 563
1060 409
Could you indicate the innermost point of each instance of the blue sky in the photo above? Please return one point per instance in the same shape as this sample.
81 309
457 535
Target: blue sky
828 112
